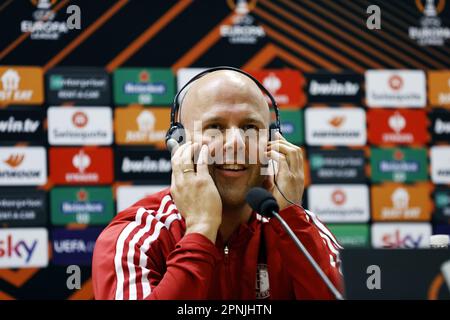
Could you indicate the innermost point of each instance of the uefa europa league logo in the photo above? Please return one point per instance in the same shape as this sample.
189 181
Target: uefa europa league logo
430 9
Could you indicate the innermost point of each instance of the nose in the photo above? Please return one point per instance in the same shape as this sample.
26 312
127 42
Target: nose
234 146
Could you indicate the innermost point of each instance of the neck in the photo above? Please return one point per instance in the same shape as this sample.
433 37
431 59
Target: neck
232 218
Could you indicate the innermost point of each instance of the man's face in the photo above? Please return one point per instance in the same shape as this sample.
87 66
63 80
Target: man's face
230 111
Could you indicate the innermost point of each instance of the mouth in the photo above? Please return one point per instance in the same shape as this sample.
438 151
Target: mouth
231 170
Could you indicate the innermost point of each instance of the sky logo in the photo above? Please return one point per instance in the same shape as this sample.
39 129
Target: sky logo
401 235
23 248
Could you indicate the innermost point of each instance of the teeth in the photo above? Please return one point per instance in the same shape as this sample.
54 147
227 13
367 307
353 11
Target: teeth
232 167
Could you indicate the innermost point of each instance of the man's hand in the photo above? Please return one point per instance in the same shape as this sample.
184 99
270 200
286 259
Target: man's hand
290 176
195 193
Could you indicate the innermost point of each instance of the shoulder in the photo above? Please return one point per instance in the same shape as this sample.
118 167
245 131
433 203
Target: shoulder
150 220
139 236
159 206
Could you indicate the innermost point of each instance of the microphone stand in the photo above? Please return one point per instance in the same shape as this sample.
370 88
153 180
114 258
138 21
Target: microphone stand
311 260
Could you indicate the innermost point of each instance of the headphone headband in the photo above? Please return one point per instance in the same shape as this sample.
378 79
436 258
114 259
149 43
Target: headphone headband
176 104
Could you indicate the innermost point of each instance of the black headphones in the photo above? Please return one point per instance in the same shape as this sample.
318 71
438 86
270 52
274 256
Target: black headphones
176 135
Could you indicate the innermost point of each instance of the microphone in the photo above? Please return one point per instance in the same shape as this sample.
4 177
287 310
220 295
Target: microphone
262 201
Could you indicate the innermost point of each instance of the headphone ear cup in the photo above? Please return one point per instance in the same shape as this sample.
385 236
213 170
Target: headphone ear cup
272 129
177 133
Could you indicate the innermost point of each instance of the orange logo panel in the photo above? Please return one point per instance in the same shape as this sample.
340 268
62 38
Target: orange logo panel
397 202
137 125
21 85
439 88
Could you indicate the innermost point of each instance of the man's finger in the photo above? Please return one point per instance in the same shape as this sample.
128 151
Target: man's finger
202 165
280 136
279 158
292 153
177 160
187 157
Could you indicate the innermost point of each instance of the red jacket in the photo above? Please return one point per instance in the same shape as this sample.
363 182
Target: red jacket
142 254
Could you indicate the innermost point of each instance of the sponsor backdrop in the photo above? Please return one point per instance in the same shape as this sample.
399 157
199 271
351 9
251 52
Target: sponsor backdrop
84 112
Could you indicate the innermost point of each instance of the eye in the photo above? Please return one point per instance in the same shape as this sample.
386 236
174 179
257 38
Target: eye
214 126
249 127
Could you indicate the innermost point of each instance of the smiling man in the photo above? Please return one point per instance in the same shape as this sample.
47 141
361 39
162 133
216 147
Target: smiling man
199 239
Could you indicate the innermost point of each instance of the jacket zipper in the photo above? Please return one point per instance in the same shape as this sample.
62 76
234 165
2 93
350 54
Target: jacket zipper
226 251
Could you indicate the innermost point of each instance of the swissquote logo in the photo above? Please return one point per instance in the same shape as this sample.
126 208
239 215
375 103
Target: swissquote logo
338 197
80 119
21 85
23 166
23 248
339 203
80 126
395 88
